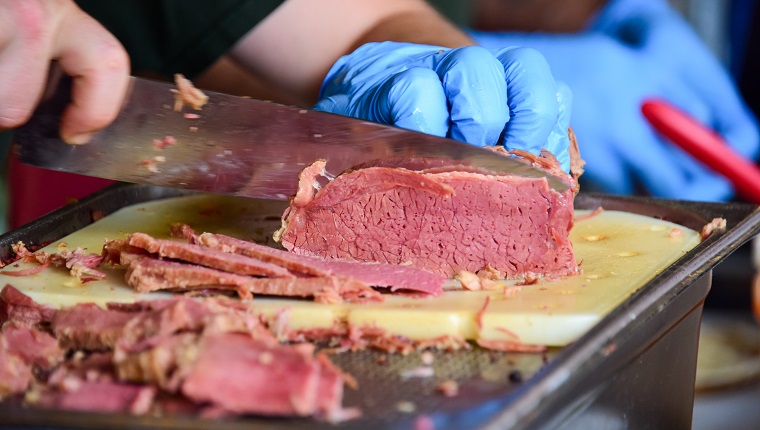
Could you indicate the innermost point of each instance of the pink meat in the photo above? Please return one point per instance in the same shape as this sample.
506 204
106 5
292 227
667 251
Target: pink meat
100 397
382 275
97 366
269 380
214 352
169 317
191 253
88 326
18 307
80 264
157 361
515 224
147 274
15 374
31 345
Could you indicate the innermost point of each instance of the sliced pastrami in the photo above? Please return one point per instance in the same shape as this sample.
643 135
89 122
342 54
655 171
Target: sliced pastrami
31 345
269 380
148 274
158 362
376 274
20 308
191 253
15 374
88 326
80 395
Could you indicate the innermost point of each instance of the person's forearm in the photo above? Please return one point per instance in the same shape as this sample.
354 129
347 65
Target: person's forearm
425 27
296 45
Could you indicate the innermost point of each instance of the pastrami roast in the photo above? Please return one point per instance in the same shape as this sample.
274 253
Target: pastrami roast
440 219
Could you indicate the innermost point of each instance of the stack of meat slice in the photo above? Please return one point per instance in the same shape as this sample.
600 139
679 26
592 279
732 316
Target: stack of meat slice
208 357
214 261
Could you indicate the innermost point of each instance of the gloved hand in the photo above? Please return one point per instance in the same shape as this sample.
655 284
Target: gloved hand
470 94
633 50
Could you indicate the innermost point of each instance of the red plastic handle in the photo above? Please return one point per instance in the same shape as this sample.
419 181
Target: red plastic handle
705 145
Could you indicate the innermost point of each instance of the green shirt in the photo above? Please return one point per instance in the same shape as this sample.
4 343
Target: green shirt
457 11
164 37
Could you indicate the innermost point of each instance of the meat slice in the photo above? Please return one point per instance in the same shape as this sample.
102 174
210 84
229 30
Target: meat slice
96 366
80 264
159 362
90 327
513 223
164 319
34 347
99 397
20 308
192 253
22 350
381 275
159 344
118 251
270 380
147 274
15 374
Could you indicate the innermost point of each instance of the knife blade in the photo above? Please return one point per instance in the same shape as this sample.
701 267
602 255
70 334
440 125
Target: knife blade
234 145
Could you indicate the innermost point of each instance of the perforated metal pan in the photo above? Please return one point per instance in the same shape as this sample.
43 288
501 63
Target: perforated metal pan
634 369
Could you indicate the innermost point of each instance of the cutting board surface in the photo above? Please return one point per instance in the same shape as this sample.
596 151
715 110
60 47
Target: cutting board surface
618 251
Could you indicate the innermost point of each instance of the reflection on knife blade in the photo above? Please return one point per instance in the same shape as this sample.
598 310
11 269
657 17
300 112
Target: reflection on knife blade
239 146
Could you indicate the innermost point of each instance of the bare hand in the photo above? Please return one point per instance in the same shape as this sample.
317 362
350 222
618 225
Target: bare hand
34 32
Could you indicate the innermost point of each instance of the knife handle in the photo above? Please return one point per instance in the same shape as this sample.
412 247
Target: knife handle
705 145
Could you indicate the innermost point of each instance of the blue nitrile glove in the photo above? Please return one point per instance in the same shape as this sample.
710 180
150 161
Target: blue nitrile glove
469 94
633 50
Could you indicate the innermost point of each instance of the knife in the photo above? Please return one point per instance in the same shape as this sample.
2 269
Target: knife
234 145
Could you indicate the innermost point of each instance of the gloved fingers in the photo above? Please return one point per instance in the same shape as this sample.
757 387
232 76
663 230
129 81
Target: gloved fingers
740 131
627 20
662 171
730 116
474 85
531 97
100 67
700 182
558 141
413 99
24 60
703 184
339 104
680 94
708 187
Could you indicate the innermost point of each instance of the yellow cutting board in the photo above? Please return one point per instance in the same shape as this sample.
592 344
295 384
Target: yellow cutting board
618 251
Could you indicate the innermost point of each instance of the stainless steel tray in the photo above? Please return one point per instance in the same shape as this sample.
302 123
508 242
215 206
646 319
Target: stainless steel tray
634 369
